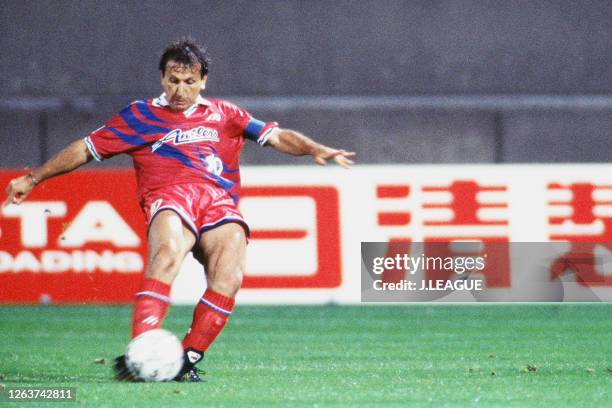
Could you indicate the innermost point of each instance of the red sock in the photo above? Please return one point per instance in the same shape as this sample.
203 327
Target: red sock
209 318
151 306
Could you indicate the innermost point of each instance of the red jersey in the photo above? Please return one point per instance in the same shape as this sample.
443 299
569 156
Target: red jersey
201 144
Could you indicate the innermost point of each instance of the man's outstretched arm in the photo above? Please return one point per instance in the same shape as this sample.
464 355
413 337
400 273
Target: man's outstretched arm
73 156
294 143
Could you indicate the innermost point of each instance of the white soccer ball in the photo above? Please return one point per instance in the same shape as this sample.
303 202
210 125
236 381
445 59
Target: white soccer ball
155 355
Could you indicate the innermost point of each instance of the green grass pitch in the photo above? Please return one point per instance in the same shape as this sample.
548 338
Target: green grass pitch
408 355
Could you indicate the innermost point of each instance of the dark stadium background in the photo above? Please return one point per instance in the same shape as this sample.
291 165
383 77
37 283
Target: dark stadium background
397 81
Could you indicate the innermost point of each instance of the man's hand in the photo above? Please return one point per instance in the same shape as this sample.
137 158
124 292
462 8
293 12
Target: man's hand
340 156
18 189
71 157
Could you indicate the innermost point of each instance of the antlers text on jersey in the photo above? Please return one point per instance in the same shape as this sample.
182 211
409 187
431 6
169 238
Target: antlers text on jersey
178 136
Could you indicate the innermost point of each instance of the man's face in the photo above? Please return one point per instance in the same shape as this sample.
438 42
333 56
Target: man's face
182 85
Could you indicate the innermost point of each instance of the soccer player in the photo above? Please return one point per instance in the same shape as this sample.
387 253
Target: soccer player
186 152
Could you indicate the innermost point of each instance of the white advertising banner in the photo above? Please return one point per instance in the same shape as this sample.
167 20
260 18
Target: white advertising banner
311 228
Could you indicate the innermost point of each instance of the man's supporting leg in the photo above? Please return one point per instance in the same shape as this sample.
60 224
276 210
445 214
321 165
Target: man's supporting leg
224 250
209 318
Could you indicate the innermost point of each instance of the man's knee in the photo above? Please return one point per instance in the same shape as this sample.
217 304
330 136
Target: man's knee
165 260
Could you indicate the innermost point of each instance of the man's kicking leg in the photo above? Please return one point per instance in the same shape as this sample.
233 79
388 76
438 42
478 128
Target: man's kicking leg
169 241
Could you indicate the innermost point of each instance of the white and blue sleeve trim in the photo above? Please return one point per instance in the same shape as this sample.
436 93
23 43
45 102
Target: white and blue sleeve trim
265 136
257 132
92 149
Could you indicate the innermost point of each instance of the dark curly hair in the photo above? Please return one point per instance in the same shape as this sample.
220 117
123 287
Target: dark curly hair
185 51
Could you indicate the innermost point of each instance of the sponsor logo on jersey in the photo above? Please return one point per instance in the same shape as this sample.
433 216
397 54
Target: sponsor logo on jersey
178 136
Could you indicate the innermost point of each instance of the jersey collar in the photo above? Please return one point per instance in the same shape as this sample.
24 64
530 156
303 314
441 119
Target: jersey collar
161 101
